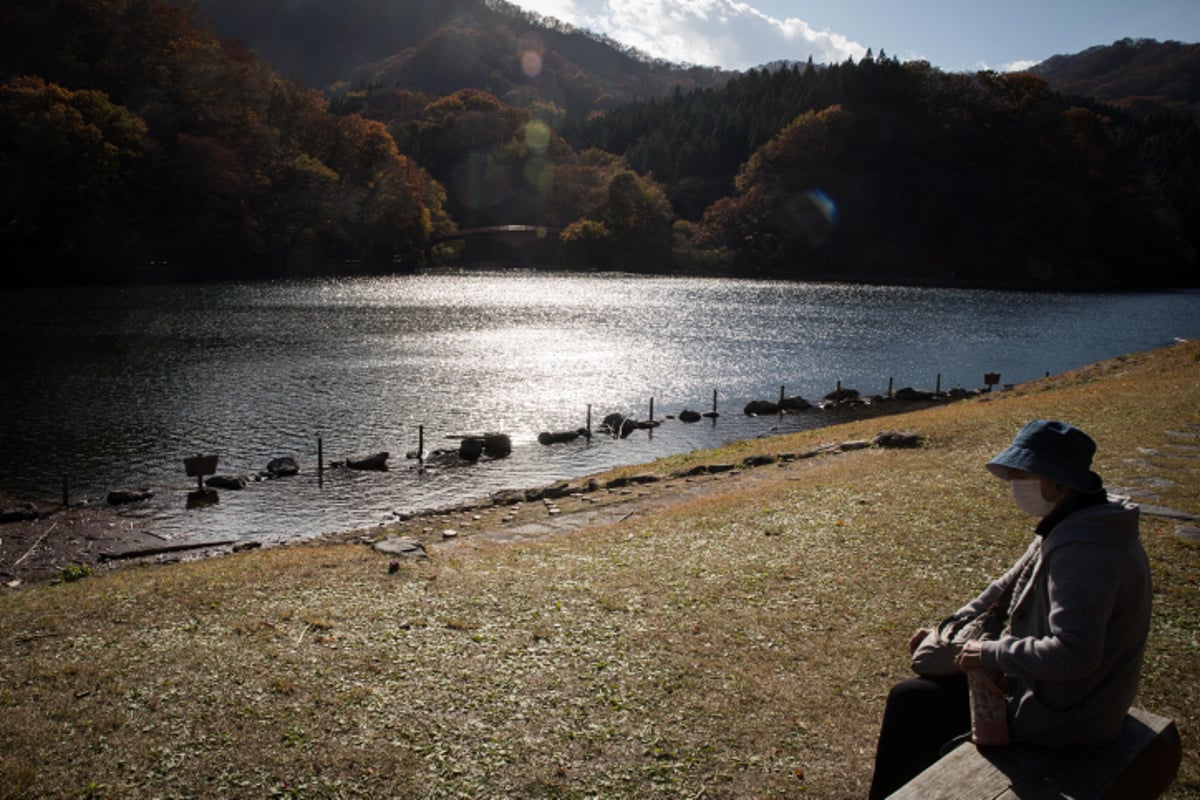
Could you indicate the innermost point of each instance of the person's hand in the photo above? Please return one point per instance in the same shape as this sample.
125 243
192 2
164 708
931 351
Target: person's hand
917 638
970 657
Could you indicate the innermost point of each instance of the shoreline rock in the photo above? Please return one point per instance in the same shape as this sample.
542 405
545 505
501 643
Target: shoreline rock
103 526
120 497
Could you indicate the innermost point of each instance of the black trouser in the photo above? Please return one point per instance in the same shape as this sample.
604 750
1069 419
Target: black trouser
921 715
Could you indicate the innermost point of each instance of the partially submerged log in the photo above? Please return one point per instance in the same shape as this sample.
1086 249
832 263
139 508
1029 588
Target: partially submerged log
233 482
141 552
558 437
376 462
119 497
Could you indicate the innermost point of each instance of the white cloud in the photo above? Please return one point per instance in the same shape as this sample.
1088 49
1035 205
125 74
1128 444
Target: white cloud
722 33
563 10
1012 66
1019 66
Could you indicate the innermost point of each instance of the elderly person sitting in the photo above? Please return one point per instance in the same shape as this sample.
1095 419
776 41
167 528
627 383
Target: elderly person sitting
1078 618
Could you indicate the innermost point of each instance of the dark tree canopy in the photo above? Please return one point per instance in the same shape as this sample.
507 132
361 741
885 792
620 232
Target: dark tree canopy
137 145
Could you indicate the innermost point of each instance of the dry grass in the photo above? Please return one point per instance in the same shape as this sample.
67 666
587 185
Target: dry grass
737 644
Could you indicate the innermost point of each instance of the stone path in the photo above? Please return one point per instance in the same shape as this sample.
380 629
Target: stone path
512 517
1178 454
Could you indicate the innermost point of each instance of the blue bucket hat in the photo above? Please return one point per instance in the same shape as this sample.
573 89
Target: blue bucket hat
1053 450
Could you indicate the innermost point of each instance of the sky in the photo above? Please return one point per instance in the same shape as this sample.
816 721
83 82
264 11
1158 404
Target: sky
952 35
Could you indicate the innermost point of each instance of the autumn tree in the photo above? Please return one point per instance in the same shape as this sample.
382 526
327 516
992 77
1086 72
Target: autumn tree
69 161
586 244
144 141
580 185
783 209
638 217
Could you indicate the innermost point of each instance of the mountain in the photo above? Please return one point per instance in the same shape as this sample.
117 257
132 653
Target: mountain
439 48
318 43
136 145
1138 74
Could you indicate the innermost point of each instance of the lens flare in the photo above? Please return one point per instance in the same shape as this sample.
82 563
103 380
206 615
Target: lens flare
537 136
825 205
529 51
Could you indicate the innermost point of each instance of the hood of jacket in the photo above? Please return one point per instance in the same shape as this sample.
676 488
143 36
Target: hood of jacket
1114 522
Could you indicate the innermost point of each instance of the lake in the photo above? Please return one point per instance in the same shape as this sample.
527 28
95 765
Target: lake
114 387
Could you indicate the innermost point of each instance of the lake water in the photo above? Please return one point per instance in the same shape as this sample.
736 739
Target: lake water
113 387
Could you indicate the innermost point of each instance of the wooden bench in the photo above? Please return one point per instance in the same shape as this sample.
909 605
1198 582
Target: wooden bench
1139 765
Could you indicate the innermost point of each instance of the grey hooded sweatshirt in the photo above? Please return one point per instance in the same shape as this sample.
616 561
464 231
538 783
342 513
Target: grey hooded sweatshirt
1077 634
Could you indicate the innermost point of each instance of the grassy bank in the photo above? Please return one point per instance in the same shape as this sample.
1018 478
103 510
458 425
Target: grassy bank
736 643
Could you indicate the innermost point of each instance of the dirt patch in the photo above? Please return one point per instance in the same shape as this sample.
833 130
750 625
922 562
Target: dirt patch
59 538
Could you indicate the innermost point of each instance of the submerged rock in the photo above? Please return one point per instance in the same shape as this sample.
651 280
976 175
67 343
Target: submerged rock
234 482
558 437
618 425
909 393
376 462
756 408
22 513
795 403
842 396
119 497
282 467
492 445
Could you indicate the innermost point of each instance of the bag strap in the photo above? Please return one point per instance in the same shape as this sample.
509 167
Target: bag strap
1004 603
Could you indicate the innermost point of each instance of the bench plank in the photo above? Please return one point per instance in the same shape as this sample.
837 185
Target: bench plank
1139 765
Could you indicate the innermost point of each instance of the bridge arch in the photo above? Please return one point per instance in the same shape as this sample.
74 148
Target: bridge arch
528 245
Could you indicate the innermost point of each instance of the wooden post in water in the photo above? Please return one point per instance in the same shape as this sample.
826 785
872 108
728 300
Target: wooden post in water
652 409
889 388
938 386
421 447
66 493
320 463
714 403
589 422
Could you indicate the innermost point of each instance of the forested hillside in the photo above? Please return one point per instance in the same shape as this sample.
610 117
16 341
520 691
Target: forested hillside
895 172
439 48
135 144
1143 75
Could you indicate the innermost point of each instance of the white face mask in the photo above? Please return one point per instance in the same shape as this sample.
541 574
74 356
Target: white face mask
1027 494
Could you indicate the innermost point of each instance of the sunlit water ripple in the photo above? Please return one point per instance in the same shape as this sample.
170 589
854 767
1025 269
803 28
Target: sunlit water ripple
114 387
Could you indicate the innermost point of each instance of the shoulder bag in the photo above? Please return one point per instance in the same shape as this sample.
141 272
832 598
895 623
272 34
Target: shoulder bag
936 653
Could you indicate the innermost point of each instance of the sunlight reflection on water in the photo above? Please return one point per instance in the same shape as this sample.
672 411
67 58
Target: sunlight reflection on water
115 386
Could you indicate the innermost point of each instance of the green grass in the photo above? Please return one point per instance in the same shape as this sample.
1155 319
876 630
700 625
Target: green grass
736 644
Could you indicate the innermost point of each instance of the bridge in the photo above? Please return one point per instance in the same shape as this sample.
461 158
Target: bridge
493 231
517 245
